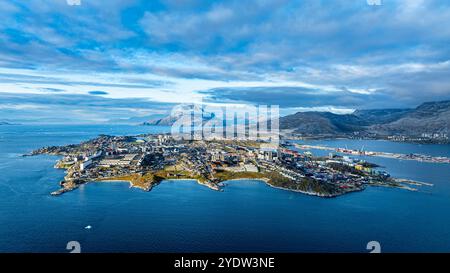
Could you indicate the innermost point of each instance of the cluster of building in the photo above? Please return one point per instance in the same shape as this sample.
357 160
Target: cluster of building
424 137
108 156
435 135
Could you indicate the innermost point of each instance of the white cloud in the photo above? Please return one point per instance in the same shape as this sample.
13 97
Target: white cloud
332 109
173 53
9 106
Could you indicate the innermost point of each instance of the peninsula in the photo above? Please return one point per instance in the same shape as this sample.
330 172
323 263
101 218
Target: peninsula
146 160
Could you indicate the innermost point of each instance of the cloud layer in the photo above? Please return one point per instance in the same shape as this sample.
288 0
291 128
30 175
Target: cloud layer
298 54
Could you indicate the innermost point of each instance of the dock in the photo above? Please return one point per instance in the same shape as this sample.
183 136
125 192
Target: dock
415 157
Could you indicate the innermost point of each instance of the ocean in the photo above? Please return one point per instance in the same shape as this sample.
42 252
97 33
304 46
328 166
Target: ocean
182 216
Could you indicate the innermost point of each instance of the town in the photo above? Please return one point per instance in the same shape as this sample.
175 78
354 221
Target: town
146 160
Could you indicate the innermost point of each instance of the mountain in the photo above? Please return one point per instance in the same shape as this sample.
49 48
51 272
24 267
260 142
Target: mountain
137 120
428 118
322 123
179 112
381 116
163 121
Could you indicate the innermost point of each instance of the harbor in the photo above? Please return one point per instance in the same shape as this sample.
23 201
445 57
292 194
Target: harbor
362 152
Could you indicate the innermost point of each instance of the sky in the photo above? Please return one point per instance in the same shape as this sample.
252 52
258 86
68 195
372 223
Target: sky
110 60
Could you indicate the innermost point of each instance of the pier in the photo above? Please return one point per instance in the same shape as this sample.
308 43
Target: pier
415 157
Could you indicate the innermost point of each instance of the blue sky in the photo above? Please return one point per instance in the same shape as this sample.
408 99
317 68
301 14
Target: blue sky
138 57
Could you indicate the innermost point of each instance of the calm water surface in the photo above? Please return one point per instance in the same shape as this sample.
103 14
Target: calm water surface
182 216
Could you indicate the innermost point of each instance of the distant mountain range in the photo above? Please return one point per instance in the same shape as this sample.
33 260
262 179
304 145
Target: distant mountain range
137 120
321 123
177 113
428 118
162 121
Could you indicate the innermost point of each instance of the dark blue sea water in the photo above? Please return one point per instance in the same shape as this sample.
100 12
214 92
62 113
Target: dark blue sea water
181 216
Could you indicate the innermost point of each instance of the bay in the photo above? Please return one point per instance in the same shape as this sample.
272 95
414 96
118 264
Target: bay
182 216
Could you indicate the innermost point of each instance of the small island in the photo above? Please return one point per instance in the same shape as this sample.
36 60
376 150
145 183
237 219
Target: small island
146 160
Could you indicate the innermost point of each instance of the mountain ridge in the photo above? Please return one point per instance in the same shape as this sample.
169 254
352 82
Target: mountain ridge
427 118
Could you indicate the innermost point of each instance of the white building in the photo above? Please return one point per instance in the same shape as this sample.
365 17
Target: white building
268 154
85 165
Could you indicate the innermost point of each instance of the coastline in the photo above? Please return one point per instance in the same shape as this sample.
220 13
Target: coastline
208 185
381 138
311 193
133 185
218 187
266 181
112 180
